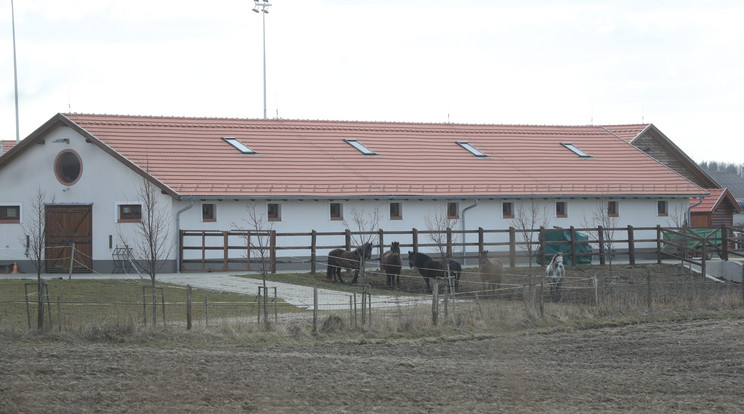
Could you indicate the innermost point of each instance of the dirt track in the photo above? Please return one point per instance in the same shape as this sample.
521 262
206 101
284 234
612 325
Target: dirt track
693 366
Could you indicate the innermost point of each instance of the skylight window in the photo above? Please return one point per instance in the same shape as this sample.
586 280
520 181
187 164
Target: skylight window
576 150
238 145
359 146
468 146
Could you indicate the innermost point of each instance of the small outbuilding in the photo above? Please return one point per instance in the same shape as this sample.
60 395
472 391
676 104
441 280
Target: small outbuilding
714 210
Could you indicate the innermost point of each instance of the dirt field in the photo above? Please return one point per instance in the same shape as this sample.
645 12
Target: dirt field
690 366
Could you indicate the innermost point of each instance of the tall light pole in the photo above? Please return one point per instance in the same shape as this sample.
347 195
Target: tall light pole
15 70
262 6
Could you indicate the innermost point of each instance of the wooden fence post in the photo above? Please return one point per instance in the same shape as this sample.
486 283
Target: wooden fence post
541 240
658 243
313 251
272 250
347 241
414 239
380 234
226 250
631 246
573 246
480 242
513 247
600 238
449 242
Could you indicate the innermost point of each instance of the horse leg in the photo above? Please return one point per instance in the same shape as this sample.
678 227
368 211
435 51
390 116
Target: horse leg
428 287
356 276
338 275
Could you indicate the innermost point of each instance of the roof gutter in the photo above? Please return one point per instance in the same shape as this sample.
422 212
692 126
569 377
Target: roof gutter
178 231
689 209
463 228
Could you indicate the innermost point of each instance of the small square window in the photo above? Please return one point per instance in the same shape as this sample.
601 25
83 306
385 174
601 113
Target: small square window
453 212
662 208
507 209
395 212
208 212
560 209
130 213
274 211
10 214
337 212
612 209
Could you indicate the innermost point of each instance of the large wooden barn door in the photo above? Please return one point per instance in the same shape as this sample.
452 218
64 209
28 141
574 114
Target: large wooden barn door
66 225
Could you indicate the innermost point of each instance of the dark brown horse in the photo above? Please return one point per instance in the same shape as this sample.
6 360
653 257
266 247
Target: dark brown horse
429 267
340 258
391 264
491 271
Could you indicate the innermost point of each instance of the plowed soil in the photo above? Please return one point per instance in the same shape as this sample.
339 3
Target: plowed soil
688 366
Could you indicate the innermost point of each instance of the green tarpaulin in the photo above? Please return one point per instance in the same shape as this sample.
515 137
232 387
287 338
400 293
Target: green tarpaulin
560 235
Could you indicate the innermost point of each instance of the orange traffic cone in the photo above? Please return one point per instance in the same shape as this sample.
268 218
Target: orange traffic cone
15 268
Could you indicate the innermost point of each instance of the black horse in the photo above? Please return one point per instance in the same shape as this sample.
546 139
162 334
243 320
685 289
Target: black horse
429 267
340 258
391 264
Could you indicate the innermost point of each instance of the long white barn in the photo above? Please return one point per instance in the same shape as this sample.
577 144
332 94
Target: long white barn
313 175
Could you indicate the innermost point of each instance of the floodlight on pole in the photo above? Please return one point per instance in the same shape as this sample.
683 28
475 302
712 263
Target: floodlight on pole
262 6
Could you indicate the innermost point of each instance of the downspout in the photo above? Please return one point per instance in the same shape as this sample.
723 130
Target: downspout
689 210
463 228
178 236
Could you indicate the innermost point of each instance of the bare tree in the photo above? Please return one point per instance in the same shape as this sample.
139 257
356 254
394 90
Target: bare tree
34 229
527 217
257 239
439 225
605 222
365 225
151 246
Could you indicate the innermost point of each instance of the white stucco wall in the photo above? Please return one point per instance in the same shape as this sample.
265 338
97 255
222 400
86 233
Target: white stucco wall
104 183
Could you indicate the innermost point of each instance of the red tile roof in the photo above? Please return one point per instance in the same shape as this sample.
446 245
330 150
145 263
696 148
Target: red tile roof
711 203
310 158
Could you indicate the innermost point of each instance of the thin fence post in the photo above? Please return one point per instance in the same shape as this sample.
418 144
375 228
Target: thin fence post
480 308
380 235
355 312
206 311
446 301
434 302
351 311
315 310
596 292
59 314
648 288
188 307
276 308
414 239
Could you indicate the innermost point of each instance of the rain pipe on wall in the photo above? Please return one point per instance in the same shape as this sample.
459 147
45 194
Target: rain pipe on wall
463 228
178 234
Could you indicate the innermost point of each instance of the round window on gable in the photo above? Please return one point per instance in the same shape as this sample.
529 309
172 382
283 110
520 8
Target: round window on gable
68 167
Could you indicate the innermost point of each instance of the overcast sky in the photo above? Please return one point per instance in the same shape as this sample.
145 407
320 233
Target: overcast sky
677 64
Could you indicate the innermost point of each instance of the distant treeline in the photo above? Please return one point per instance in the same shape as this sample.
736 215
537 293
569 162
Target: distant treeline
715 166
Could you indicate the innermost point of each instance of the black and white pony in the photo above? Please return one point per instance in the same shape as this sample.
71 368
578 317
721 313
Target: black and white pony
555 272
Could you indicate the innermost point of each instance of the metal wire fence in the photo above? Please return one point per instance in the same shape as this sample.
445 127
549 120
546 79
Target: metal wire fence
522 295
